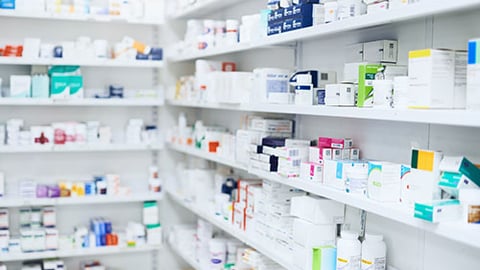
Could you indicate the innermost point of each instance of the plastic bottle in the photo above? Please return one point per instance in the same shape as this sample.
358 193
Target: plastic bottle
349 251
218 253
374 253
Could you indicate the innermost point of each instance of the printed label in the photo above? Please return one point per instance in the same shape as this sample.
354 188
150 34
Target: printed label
474 214
352 263
376 264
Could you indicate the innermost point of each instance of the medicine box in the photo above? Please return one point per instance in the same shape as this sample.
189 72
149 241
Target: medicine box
334 173
366 76
310 235
432 78
4 219
418 186
271 125
20 86
473 75
2 184
380 51
461 165
311 171
377 7
7 4
426 160
452 182
66 87
384 181
317 210
354 53
460 88
324 258
439 211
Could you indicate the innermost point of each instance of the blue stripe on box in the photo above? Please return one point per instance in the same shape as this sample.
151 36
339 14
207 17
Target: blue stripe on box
472 52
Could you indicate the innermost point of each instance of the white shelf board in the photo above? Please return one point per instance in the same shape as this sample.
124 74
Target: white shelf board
464 118
111 102
195 54
189 258
410 12
9 257
203 7
284 260
454 231
81 62
205 155
86 200
75 17
5 149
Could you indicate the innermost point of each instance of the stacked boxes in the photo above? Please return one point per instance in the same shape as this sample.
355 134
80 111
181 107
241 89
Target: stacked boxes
295 17
419 182
314 231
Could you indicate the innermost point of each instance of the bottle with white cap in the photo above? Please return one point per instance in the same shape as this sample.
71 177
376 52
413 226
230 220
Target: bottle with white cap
304 90
374 252
349 251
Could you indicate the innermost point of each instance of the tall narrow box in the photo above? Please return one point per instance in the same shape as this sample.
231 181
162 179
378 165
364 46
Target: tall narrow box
366 76
432 79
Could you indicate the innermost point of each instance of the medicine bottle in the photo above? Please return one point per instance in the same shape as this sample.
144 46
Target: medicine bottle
349 251
374 252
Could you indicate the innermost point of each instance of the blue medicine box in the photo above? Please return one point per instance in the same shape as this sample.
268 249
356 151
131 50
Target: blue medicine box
275 15
7 4
274 28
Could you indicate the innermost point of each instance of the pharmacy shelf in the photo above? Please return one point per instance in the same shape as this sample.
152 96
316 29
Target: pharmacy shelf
78 148
441 117
203 7
189 258
410 12
455 231
86 200
111 102
75 17
193 54
189 150
284 260
81 62
9 257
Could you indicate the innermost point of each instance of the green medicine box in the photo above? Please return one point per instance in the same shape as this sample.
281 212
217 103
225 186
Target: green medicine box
366 76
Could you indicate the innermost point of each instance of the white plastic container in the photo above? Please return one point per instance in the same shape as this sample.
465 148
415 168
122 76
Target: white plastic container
349 251
231 37
374 252
218 253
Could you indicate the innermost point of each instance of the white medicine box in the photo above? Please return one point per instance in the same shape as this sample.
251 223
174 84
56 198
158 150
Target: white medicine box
431 79
385 51
354 53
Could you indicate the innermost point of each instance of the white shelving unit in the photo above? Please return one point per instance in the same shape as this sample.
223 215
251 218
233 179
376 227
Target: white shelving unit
87 102
147 74
202 211
78 148
443 117
11 257
203 7
75 17
82 62
87 200
411 12
450 230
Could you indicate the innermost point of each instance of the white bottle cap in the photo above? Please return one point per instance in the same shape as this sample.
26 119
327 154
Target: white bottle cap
374 237
349 235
